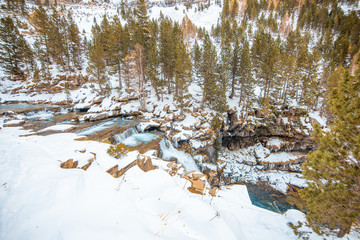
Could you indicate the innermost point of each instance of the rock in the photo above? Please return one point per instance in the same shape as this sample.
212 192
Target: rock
154 144
113 171
69 164
85 167
174 167
180 117
99 117
127 99
145 163
145 126
213 191
98 100
15 124
197 185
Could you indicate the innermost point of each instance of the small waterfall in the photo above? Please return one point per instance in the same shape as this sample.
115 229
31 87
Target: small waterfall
168 151
127 133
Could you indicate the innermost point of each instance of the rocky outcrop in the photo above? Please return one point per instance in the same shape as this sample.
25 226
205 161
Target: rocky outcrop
291 126
143 162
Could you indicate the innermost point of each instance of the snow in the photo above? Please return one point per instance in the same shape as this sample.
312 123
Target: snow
281 157
321 120
40 200
205 18
145 125
274 142
59 127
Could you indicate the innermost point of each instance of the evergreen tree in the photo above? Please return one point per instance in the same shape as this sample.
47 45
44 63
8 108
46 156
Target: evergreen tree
97 67
225 65
234 64
141 31
119 47
246 80
56 43
106 37
225 10
333 171
40 20
182 73
74 42
310 80
208 67
167 51
196 57
152 68
15 52
214 93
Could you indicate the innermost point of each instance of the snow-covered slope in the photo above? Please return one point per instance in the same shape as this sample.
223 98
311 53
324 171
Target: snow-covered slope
40 200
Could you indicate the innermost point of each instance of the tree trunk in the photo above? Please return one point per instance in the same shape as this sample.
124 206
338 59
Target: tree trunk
120 84
343 230
232 87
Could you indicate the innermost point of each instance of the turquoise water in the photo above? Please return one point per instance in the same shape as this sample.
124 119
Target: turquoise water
264 196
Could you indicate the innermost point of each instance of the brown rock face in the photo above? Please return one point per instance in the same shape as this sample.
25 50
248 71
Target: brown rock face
143 162
286 125
197 185
69 164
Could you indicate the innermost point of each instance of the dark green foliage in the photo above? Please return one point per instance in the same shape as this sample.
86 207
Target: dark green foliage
141 31
182 73
97 67
15 52
246 80
265 53
333 171
74 42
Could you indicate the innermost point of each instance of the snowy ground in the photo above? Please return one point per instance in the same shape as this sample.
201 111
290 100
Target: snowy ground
40 200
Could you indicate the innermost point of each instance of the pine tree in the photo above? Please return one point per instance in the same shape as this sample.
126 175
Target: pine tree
196 57
74 42
310 80
106 35
140 83
56 34
182 73
142 31
333 171
234 64
225 70
246 80
97 67
153 66
225 10
15 52
119 47
40 20
167 52
208 67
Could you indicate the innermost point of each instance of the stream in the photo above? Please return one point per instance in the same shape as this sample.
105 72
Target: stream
38 117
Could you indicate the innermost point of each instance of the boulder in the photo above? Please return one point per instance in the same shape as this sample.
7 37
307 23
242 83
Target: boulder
69 164
197 184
